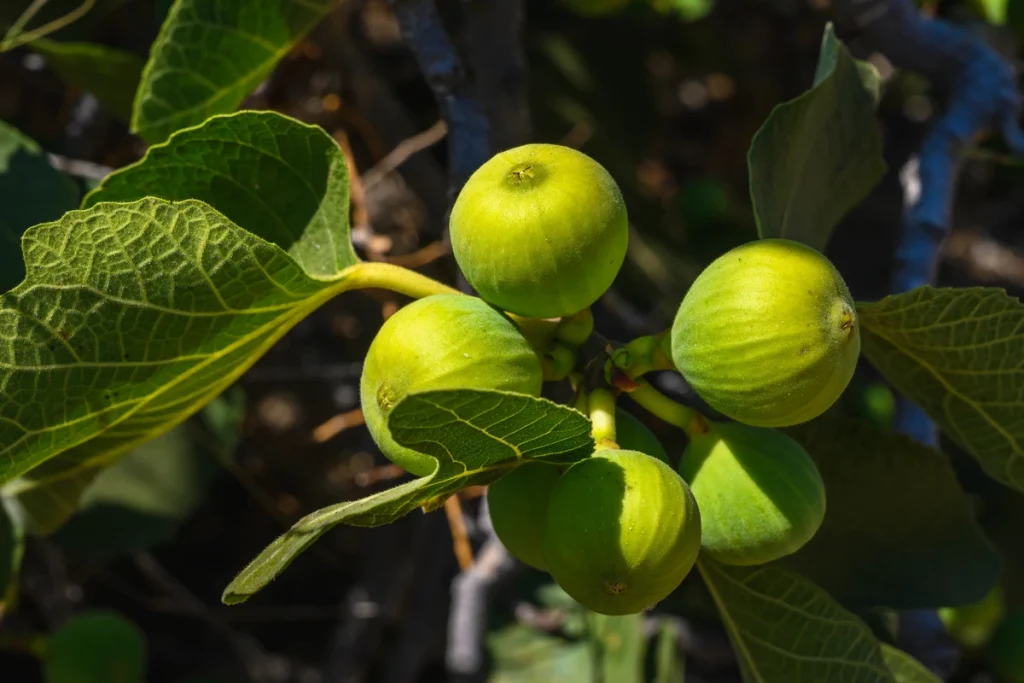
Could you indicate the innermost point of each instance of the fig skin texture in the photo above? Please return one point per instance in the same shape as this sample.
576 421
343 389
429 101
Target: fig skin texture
540 230
768 334
760 495
622 532
444 341
518 504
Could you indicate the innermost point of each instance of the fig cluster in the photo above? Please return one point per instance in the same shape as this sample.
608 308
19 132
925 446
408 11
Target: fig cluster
767 336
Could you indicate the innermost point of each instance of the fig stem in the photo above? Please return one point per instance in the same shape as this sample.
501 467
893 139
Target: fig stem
576 329
374 274
559 361
601 404
643 355
669 410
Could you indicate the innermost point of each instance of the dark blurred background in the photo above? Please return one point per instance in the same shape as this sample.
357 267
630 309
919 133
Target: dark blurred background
669 103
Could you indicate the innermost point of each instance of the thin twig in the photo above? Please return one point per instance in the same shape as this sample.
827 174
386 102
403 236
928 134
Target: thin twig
337 424
403 150
80 168
460 539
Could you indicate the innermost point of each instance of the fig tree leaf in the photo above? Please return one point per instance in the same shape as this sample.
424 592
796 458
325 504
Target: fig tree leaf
210 54
906 669
111 75
817 156
959 354
142 499
784 629
31 191
898 530
95 647
131 318
280 179
475 435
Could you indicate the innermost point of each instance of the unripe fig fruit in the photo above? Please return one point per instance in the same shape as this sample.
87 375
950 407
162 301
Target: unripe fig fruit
540 230
622 531
768 334
760 495
633 435
445 341
518 503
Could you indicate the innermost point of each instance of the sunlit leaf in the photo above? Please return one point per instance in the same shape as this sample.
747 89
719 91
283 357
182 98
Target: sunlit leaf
475 435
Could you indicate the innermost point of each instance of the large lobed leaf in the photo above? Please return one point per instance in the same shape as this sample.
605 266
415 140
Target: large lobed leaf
134 315
959 354
210 54
898 531
475 435
819 155
31 192
131 318
280 179
785 629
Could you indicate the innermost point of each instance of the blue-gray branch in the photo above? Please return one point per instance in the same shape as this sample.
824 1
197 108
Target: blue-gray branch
983 95
468 130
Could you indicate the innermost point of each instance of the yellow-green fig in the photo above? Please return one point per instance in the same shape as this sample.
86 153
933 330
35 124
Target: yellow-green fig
540 230
622 531
444 341
518 503
768 334
760 495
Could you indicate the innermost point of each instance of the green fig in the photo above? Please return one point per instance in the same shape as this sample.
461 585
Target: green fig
622 531
540 230
444 341
760 495
518 504
768 334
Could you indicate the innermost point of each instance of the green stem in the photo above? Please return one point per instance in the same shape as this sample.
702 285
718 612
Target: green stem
576 329
374 274
668 410
643 355
601 403
559 361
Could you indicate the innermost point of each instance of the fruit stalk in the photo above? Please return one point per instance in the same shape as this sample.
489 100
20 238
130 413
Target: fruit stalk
672 412
401 280
643 355
601 403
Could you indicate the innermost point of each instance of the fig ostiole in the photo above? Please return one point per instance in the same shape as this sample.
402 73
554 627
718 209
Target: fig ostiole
518 504
760 494
540 230
444 341
768 334
622 531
